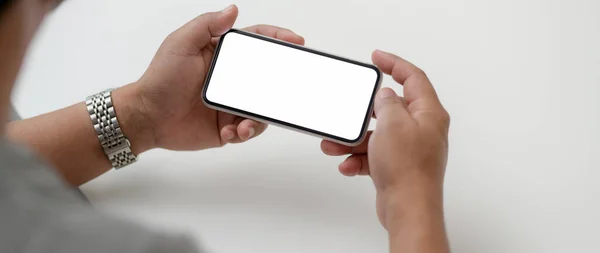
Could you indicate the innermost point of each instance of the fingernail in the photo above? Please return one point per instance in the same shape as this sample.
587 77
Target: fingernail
387 93
251 132
380 52
384 53
228 9
229 136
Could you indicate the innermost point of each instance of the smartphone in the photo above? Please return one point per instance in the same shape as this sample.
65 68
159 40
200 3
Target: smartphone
292 86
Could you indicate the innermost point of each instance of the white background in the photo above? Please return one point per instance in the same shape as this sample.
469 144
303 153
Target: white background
521 79
297 87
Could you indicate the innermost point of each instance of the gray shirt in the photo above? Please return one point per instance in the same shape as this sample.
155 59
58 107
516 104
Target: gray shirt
40 213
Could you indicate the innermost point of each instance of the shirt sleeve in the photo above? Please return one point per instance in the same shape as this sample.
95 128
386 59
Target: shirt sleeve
39 213
76 230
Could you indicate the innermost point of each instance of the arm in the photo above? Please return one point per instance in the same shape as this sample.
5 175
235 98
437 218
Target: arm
406 158
66 139
418 224
161 110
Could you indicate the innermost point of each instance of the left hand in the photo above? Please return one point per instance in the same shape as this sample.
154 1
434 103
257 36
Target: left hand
169 93
407 153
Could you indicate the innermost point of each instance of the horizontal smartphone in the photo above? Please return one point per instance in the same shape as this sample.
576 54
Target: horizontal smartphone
291 86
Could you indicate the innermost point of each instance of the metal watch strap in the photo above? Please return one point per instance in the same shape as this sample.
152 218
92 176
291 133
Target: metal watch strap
115 145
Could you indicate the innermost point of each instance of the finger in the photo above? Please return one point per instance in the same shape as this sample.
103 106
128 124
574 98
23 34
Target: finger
228 134
418 91
270 31
233 125
225 119
401 98
355 165
249 128
202 29
335 149
277 33
390 108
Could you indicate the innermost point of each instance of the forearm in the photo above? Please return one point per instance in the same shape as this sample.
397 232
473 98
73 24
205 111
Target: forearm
417 225
67 140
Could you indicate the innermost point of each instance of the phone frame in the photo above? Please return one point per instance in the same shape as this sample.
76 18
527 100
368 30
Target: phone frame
283 124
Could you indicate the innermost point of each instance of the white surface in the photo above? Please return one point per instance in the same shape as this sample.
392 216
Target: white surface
294 86
521 80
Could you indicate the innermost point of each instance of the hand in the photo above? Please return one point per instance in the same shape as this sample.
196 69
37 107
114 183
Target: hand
169 93
406 154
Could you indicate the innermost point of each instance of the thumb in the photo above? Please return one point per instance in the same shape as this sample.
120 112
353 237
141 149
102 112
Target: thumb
202 29
390 108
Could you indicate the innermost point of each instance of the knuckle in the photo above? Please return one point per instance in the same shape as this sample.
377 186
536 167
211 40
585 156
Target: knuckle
389 101
208 15
446 118
420 72
171 36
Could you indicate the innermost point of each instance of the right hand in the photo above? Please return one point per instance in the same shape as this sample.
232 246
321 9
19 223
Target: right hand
406 154
167 98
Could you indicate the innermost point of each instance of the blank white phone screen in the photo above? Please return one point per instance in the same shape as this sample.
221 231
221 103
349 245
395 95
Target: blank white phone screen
290 85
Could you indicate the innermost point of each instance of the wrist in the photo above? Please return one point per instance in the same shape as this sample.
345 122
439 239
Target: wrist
416 222
132 118
411 202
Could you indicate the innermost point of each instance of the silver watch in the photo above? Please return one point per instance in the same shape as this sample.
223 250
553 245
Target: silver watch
115 145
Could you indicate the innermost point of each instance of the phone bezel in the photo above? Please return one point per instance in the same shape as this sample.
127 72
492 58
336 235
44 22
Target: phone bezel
268 120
